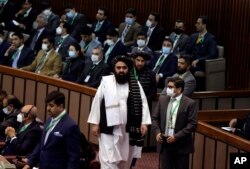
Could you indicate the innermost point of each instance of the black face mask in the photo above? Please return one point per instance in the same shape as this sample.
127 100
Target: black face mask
122 78
178 31
181 71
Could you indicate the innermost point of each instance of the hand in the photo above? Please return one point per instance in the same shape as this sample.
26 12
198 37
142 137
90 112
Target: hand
159 138
194 63
170 139
232 122
26 167
96 130
63 18
22 26
157 76
22 11
56 76
11 49
10 132
144 129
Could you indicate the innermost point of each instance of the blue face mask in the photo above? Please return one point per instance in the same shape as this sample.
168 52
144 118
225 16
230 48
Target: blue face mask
70 14
129 21
166 50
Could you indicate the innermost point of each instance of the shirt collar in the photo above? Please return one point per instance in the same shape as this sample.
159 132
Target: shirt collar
20 47
178 98
59 116
28 11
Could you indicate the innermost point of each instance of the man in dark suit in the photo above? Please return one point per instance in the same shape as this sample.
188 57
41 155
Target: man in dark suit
164 64
64 39
113 47
8 10
178 37
155 32
12 106
101 25
94 70
77 20
60 143
4 46
18 55
24 18
34 42
26 138
174 120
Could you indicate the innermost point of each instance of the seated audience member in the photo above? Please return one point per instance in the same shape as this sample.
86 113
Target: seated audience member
53 19
3 94
48 61
101 25
141 45
8 9
183 72
93 71
88 43
155 33
12 106
113 47
4 45
64 39
24 18
74 63
34 42
179 37
76 20
241 127
129 29
17 55
201 46
22 142
164 64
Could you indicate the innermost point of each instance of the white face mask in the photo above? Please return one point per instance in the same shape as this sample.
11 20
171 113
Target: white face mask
141 43
47 12
72 54
94 58
129 21
6 111
59 30
44 47
166 50
70 14
110 42
35 25
149 23
170 92
1 40
19 118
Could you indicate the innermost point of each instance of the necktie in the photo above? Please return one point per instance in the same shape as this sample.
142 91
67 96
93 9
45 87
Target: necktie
159 63
98 26
124 33
170 106
107 54
33 43
49 130
41 63
199 39
60 41
15 58
149 32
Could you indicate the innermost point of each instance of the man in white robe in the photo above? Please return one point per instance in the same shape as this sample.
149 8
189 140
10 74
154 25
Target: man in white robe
116 151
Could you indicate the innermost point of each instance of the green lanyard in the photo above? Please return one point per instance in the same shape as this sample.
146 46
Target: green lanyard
72 21
24 128
161 60
173 109
53 123
135 74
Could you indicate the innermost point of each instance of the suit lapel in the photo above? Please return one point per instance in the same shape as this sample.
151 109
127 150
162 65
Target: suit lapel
180 109
165 108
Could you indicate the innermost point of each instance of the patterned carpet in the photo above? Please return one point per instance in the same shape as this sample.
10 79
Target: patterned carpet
149 160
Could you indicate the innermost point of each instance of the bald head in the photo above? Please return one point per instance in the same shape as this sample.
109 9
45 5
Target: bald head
31 110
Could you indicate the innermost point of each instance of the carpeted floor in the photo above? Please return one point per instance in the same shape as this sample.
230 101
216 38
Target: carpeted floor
149 160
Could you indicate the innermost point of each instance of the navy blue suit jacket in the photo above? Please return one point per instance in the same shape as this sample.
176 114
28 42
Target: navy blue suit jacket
101 34
26 58
62 149
156 38
3 48
63 50
119 49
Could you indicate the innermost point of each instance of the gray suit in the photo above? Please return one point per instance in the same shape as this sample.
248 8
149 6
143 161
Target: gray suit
92 44
53 23
180 44
186 120
190 83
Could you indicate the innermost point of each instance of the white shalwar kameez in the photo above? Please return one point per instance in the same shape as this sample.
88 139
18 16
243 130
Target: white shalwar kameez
115 151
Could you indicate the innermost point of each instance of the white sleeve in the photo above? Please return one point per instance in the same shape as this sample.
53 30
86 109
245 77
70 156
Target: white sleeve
146 119
94 115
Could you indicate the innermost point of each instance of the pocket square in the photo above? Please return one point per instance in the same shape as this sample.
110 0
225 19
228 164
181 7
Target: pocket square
58 134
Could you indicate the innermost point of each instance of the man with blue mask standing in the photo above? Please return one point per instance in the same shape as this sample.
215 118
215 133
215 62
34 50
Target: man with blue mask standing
164 64
173 121
129 29
76 20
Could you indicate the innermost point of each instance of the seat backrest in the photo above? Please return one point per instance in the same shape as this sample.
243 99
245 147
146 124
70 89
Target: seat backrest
220 51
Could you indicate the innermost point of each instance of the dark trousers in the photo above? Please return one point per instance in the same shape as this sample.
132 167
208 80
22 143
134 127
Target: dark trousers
169 159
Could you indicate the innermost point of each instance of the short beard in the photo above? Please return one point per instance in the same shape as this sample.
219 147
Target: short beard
181 71
122 78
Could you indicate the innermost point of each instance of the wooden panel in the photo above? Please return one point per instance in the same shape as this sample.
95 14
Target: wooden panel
199 151
40 103
209 153
30 92
230 150
221 155
7 84
19 88
74 101
66 93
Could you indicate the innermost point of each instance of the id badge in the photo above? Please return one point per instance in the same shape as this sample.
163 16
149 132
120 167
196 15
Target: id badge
87 79
170 132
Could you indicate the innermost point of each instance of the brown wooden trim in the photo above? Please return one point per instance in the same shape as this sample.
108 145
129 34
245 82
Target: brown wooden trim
231 93
226 137
48 80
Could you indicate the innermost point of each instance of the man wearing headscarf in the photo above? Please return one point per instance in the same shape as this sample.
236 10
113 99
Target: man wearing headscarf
119 116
